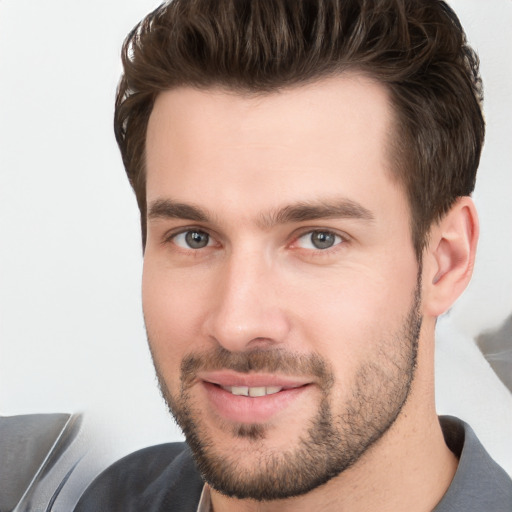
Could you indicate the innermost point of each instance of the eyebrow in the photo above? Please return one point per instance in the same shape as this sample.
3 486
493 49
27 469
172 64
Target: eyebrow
306 211
298 212
168 209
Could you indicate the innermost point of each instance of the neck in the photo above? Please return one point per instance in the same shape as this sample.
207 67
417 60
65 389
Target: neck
408 469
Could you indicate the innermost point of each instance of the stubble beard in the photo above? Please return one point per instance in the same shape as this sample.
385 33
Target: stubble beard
330 445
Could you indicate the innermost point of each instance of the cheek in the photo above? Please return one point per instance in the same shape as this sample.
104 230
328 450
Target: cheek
172 309
348 321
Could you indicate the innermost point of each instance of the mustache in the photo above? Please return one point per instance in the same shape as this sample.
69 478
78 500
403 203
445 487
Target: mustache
268 361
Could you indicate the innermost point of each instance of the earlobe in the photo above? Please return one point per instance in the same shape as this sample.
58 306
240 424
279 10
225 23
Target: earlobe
450 257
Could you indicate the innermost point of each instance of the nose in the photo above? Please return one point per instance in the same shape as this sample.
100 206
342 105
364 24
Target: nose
246 310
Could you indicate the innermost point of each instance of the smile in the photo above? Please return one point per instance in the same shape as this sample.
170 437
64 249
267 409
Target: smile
252 391
251 398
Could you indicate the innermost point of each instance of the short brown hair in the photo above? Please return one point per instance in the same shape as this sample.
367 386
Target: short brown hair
416 48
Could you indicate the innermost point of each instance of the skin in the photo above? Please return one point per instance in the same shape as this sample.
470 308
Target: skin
260 285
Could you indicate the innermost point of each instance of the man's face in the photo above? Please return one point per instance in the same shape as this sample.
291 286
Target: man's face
280 288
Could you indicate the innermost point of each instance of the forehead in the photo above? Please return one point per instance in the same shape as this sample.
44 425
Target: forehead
325 138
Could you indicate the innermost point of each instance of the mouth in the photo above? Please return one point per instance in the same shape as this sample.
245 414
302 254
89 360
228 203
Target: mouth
252 391
251 398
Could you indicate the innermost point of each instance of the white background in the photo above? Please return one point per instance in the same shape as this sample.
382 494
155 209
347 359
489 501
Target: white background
71 329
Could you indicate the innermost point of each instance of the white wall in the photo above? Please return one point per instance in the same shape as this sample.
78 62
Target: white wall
71 328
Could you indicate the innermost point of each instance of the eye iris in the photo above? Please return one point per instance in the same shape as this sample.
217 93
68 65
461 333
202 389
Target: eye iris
197 239
322 239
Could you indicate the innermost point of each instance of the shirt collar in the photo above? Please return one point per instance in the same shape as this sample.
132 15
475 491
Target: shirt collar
205 503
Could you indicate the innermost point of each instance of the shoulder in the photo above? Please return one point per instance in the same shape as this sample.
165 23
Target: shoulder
479 482
153 479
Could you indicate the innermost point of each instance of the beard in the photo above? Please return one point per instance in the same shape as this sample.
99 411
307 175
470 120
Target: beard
330 444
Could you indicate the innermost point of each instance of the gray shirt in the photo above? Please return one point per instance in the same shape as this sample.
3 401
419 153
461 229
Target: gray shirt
164 478
479 484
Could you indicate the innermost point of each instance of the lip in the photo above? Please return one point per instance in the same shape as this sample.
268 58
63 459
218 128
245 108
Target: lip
251 410
231 378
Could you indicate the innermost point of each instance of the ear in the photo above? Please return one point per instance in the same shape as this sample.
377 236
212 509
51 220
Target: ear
450 256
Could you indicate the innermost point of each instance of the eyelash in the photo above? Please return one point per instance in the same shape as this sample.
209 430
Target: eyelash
317 252
170 237
343 239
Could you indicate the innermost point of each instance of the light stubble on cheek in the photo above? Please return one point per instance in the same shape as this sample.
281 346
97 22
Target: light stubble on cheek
342 427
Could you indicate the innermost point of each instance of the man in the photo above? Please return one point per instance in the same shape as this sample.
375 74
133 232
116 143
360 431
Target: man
303 171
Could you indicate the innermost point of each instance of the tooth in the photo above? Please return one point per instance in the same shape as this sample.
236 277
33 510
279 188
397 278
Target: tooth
253 391
240 390
257 391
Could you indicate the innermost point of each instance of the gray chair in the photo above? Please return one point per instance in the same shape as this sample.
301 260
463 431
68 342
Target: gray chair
30 446
496 346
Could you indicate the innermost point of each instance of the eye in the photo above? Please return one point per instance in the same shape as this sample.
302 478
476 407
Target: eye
319 240
193 239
